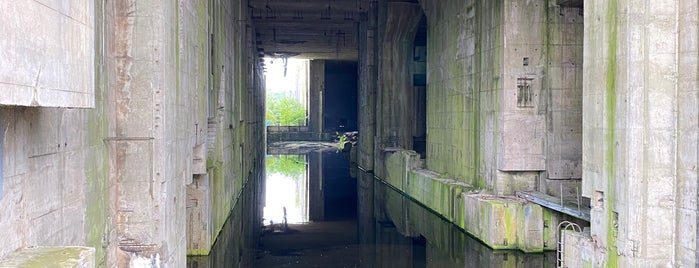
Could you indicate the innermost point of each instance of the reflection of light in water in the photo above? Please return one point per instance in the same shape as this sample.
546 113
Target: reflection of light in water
283 191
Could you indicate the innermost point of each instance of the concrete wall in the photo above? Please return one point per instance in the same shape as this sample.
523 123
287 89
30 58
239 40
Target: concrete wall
225 133
464 89
47 53
640 132
366 102
564 101
504 93
166 117
56 185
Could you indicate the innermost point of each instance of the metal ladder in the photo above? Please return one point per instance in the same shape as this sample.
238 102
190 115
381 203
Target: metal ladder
563 226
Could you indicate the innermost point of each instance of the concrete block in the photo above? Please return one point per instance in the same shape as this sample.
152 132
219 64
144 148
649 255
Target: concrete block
551 219
492 219
79 257
530 228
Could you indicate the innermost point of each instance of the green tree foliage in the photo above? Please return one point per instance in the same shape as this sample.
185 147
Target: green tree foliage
284 111
292 166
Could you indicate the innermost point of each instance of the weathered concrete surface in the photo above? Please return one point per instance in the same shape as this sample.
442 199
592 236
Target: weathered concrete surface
235 237
564 101
115 177
447 246
503 112
64 257
577 249
395 95
491 121
316 86
55 162
640 132
368 73
47 53
500 222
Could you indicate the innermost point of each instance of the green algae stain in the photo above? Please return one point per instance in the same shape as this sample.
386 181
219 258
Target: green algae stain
49 257
610 103
96 189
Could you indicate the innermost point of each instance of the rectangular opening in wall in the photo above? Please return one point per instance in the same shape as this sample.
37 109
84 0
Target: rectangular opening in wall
286 83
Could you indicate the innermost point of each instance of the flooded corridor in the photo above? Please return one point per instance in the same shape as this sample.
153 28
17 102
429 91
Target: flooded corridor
339 216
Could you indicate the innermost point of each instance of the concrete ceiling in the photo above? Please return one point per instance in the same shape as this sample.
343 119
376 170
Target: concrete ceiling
313 29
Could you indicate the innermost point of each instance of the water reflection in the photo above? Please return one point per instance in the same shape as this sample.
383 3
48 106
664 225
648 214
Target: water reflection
397 232
354 222
286 193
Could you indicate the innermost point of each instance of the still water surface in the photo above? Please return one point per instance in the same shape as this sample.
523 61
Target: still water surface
340 217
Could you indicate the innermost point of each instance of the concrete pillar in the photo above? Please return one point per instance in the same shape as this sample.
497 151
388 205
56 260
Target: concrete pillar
367 88
365 206
521 149
315 91
316 198
145 194
395 102
640 131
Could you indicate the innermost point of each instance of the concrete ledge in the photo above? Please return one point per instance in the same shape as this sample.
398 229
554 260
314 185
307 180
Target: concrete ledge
500 222
298 136
51 257
492 219
504 222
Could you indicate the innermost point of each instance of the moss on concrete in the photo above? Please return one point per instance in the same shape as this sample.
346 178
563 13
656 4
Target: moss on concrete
96 188
51 257
610 101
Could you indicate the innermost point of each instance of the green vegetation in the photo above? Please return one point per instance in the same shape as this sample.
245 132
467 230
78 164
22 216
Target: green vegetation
292 166
285 111
342 140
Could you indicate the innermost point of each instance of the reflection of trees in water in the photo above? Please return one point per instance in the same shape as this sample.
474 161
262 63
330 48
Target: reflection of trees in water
292 166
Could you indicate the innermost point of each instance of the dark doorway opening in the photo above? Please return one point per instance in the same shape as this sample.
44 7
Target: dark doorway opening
340 96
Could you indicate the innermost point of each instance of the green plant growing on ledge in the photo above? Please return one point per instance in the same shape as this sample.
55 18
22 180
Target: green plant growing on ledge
342 140
292 166
285 111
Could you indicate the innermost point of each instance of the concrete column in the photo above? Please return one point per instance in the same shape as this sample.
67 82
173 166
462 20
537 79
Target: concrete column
521 155
394 107
149 174
640 131
315 98
367 88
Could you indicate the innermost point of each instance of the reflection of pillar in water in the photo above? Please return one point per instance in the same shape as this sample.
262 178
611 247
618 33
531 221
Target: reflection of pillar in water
365 218
286 225
316 201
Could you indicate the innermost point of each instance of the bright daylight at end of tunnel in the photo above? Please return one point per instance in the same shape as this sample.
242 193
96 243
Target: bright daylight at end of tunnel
349 133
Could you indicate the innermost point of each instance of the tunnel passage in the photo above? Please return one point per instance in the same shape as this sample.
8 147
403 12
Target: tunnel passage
136 128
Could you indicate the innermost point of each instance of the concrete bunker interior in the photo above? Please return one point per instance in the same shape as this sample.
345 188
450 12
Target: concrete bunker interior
134 132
